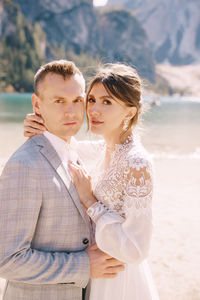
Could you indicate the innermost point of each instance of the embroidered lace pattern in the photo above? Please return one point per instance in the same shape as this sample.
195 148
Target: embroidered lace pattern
126 185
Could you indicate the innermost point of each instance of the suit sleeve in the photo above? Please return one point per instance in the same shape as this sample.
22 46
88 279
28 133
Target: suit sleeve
20 204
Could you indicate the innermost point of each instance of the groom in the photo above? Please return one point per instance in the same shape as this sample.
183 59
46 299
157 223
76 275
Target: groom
45 236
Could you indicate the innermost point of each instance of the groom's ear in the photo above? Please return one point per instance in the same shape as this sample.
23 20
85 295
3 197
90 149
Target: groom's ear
36 104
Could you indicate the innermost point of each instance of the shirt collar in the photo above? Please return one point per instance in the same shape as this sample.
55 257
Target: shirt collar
64 150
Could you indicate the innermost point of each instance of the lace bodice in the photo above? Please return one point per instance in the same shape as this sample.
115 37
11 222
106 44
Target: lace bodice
123 188
127 181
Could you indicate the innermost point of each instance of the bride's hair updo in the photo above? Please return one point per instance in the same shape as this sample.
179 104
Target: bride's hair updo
122 82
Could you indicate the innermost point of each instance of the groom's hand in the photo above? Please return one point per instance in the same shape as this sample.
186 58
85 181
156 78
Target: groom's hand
103 265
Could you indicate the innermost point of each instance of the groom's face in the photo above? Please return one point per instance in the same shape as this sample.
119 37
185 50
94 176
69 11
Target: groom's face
61 104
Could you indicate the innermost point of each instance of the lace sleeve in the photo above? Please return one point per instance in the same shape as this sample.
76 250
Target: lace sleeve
139 188
128 238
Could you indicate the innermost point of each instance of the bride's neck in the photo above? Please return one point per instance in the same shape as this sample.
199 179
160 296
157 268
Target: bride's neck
112 140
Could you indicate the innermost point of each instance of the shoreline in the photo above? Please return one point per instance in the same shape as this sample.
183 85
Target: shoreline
184 80
147 93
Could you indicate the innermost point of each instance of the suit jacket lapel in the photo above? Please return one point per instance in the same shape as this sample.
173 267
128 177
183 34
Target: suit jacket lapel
71 189
51 155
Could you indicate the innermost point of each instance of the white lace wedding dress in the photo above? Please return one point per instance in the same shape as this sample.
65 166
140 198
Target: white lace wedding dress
123 218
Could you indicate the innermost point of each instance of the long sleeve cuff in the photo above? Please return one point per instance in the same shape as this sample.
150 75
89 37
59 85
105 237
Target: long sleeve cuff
97 210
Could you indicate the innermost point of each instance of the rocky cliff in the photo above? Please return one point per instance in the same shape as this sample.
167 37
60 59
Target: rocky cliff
123 39
71 23
22 48
112 36
173 27
32 32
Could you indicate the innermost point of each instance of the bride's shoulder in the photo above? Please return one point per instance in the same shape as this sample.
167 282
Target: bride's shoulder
138 158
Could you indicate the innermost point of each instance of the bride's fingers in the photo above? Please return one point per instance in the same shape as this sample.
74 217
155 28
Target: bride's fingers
84 172
107 275
75 175
74 178
93 247
28 134
114 262
76 168
33 125
29 131
73 164
81 170
115 269
32 131
34 117
73 167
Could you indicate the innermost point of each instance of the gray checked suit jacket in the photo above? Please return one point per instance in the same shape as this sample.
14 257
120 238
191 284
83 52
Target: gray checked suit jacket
43 228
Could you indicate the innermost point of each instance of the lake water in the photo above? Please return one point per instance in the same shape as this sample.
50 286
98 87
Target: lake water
171 129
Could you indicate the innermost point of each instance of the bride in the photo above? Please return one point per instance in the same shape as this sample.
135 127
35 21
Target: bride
117 195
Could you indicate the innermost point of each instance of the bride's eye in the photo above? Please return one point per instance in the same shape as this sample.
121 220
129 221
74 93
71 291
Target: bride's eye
107 102
90 100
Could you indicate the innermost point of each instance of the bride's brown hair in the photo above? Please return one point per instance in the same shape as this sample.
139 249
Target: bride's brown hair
124 83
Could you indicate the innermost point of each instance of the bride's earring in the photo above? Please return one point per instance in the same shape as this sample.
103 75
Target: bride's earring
125 126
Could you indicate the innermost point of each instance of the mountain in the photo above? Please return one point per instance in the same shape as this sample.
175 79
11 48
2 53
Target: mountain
79 27
71 23
172 27
123 39
22 48
32 32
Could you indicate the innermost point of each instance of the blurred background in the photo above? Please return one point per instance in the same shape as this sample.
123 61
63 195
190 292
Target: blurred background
161 39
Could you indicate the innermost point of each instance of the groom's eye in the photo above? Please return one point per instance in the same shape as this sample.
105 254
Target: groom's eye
78 100
58 101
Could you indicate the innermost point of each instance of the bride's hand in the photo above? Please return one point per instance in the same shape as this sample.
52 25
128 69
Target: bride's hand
82 182
33 124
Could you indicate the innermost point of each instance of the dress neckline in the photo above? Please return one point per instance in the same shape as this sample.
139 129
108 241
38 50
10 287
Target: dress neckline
131 141
119 152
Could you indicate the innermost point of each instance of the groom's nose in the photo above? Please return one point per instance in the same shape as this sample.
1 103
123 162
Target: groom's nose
69 109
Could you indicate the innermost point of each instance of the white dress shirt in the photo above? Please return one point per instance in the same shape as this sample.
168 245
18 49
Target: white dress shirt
66 151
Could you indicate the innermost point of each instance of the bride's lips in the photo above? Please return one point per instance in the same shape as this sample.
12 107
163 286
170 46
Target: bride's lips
96 122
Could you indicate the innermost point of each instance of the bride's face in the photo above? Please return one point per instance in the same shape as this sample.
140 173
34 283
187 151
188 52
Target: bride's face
106 113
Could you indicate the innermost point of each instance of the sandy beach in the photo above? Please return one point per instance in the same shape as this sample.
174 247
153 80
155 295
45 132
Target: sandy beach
174 256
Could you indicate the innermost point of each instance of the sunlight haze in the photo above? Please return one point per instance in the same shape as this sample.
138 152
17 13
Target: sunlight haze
99 2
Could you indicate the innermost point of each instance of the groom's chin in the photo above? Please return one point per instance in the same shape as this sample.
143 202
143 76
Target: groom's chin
68 132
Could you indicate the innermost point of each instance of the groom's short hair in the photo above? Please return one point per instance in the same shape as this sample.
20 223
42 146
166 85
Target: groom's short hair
62 67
